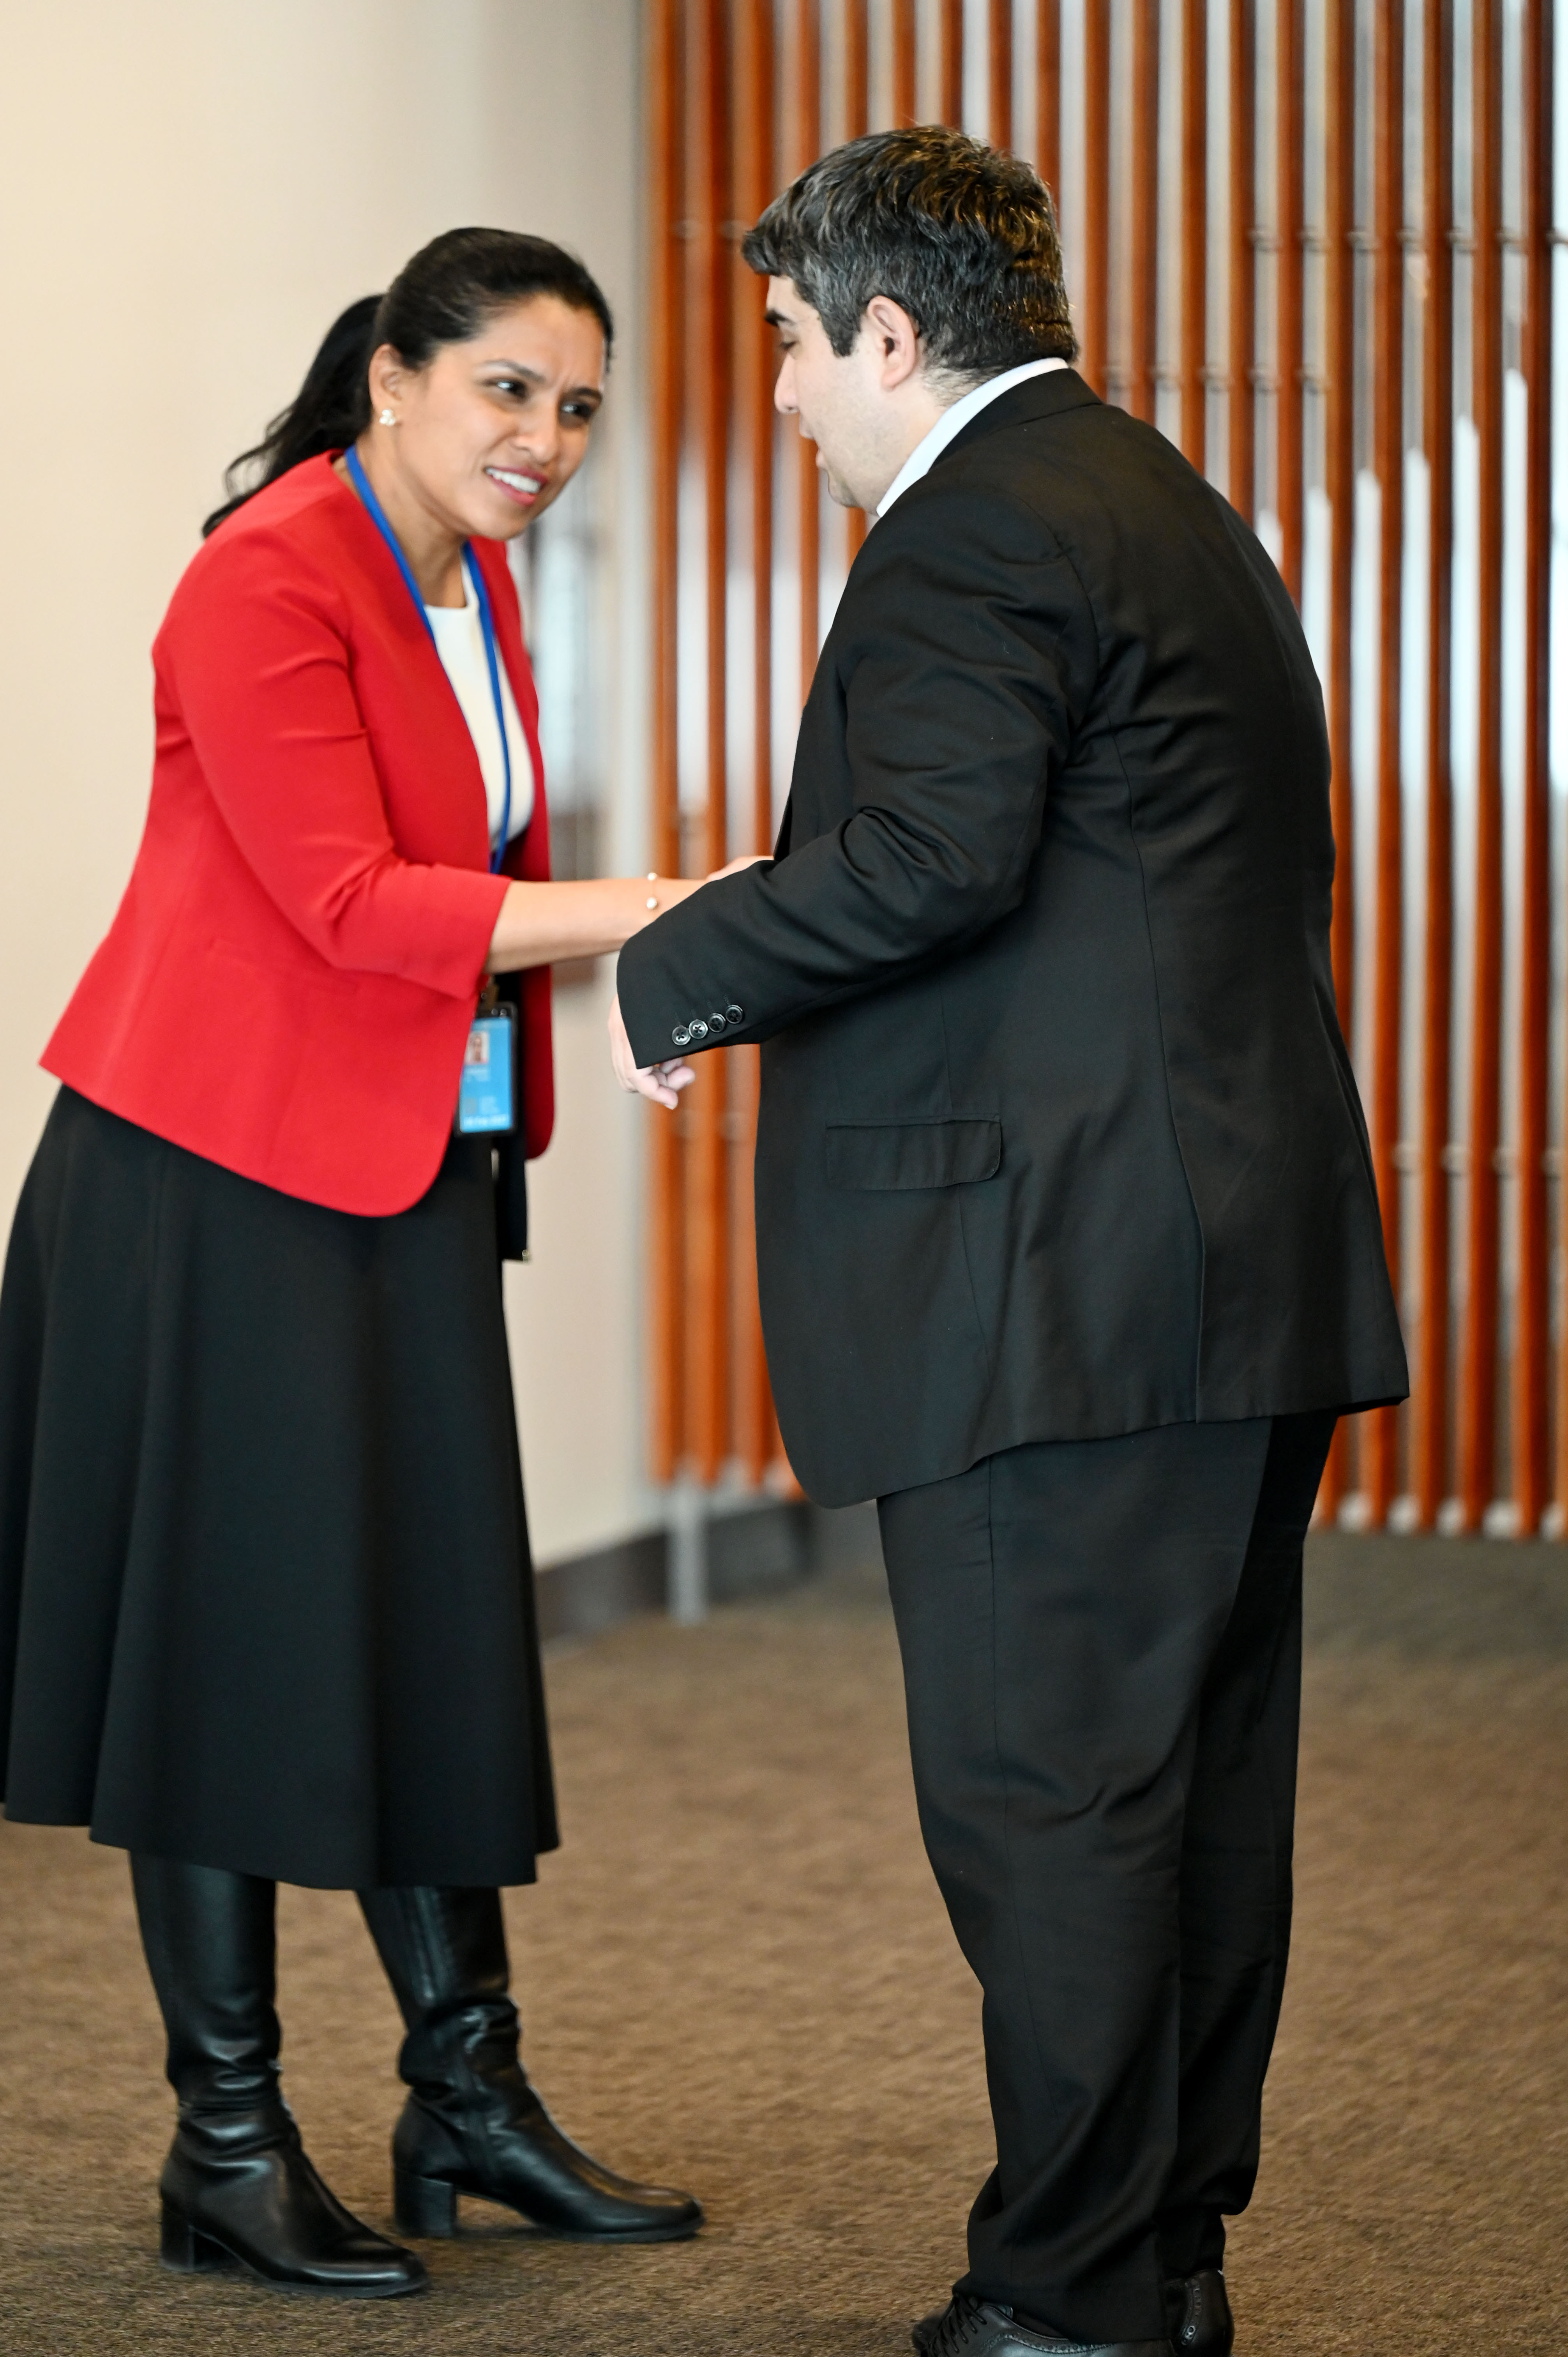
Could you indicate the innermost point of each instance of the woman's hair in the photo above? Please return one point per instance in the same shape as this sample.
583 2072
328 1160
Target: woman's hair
445 296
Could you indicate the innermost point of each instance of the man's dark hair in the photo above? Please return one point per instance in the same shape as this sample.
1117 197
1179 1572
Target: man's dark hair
961 236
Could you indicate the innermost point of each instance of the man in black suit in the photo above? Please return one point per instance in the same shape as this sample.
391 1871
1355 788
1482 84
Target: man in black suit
1069 1241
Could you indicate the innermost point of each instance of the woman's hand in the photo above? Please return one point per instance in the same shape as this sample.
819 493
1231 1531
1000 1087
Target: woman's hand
661 1083
541 923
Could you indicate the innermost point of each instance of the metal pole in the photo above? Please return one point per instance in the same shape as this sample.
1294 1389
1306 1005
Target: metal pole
688 1542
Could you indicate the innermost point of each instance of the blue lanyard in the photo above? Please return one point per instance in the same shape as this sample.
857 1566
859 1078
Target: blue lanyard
487 628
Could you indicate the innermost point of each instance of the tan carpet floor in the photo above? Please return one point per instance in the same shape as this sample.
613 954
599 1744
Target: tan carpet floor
737 1975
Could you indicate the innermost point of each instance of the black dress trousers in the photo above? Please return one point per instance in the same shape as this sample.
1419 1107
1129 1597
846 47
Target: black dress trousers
1101 1648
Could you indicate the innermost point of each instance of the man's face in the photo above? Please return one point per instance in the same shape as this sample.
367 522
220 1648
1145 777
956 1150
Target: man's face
840 402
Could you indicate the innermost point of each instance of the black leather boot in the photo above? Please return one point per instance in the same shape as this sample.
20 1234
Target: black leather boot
472 2124
237 2186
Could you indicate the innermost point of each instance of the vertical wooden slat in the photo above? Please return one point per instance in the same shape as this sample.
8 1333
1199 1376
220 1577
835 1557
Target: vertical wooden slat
754 179
808 140
1290 163
1048 93
666 330
705 1110
1478 1360
1242 341
1193 228
999 95
949 61
755 173
856 67
1339 470
1143 175
1429 1412
904 60
1539 456
1093 309
1531 1438
1340 192
856 108
806 130
1380 1430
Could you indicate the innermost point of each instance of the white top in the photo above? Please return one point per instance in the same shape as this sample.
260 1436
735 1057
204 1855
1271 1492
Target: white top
460 643
926 453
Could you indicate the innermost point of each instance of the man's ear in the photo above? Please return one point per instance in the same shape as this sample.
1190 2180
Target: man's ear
897 341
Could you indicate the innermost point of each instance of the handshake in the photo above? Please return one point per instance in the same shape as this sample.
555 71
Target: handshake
662 1083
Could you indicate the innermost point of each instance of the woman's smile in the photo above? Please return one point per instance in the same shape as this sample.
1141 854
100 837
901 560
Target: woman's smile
522 485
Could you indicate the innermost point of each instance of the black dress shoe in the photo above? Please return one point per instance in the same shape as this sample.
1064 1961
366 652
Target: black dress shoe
921 2335
472 2124
239 2190
979 2328
1199 2313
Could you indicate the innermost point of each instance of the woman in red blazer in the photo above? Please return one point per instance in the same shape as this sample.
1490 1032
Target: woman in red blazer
266 1603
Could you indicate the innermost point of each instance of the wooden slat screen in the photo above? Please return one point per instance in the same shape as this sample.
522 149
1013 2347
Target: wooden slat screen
1345 319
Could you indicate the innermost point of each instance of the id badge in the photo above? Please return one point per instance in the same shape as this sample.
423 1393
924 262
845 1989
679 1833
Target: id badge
486 1090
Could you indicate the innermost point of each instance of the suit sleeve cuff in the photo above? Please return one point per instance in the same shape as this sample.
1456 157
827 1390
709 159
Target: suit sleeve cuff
659 1023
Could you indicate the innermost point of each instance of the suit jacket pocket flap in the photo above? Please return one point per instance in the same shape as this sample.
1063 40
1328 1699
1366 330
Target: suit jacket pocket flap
886 1154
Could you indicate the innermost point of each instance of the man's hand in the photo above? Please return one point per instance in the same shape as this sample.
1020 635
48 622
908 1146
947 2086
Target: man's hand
662 1083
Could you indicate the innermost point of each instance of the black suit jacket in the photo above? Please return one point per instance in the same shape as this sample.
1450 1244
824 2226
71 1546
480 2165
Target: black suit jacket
1059 1136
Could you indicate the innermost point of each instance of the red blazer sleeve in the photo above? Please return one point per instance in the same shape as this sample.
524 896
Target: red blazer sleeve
255 655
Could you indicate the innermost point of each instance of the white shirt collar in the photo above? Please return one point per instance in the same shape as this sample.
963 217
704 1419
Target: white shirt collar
926 453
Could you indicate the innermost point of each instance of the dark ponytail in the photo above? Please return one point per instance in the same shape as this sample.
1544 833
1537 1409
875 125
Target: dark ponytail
443 296
330 409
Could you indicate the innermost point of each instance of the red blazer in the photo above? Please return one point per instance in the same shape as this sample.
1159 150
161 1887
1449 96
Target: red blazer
289 981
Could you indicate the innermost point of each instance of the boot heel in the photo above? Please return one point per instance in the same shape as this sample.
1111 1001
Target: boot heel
189 2251
425 2207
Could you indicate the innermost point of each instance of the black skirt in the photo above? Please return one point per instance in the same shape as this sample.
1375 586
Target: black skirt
265 1596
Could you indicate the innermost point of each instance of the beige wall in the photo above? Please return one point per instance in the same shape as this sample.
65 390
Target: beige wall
189 190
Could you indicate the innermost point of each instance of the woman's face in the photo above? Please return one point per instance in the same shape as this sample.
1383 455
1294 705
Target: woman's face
490 431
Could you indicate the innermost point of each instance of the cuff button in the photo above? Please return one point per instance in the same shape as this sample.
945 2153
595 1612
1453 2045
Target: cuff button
682 1037
734 1014
699 1030
716 1021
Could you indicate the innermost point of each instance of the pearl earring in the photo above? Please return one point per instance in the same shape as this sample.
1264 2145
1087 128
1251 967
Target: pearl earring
386 418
